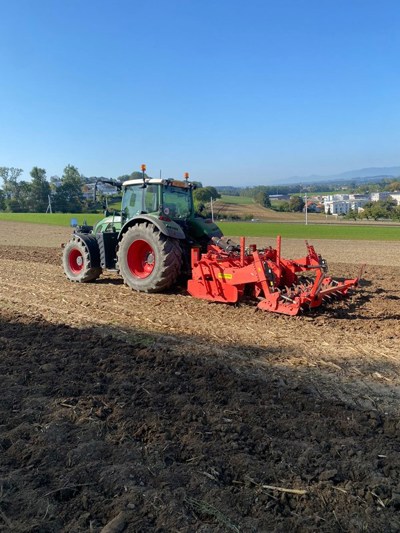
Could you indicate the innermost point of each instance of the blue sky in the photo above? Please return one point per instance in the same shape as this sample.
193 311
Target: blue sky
234 92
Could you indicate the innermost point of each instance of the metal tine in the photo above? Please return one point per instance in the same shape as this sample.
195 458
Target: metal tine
287 299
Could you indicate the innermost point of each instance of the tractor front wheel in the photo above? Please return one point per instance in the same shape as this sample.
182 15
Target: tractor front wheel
79 258
148 260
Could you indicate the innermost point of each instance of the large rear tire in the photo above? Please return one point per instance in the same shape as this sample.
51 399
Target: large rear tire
148 260
79 258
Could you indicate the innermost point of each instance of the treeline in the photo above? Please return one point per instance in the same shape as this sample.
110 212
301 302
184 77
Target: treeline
381 210
252 192
63 194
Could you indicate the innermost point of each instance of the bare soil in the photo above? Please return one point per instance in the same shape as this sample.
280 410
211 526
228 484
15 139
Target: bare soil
129 412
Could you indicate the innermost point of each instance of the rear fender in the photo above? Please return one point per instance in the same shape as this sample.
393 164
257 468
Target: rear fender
168 228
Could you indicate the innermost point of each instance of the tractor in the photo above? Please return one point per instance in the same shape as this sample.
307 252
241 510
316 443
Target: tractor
157 237
148 243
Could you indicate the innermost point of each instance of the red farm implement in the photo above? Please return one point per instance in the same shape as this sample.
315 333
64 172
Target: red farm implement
228 272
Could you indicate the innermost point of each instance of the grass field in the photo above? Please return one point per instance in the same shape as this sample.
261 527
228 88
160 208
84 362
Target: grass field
315 231
236 200
53 219
247 229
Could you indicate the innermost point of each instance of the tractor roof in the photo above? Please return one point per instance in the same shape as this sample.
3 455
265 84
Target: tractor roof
157 181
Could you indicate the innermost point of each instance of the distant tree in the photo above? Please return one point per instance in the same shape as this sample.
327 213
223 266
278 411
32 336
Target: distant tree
393 186
2 202
381 209
10 176
351 215
24 192
389 204
204 194
54 180
396 213
136 175
68 198
40 190
262 198
201 195
283 206
16 194
296 203
366 188
228 190
124 177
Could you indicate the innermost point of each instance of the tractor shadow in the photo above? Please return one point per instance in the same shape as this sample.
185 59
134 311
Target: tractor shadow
113 421
109 281
388 294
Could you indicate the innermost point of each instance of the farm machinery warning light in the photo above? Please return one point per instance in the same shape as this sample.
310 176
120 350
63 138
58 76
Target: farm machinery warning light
157 237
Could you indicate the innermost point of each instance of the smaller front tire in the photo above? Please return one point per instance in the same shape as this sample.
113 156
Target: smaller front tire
78 259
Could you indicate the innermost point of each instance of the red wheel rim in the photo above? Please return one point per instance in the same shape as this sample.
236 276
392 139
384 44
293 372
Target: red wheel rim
141 259
75 261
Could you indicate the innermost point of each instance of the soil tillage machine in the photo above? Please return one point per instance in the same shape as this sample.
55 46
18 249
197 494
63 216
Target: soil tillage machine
228 273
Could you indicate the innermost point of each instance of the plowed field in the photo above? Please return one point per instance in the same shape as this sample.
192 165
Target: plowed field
129 412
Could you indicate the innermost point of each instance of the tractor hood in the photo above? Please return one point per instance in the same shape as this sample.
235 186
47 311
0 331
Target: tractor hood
107 224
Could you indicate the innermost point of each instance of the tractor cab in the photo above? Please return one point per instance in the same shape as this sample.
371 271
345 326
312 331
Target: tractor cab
168 204
166 199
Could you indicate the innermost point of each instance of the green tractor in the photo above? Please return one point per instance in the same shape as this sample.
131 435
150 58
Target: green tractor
148 243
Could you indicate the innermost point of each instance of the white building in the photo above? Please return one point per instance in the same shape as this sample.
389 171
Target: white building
361 197
377 196
340 204
335 197
357 203
396 196
336 207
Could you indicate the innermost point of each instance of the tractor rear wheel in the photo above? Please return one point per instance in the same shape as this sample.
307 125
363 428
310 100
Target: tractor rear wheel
148 260
79 258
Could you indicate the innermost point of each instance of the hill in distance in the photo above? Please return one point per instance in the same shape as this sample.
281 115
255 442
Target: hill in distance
364 173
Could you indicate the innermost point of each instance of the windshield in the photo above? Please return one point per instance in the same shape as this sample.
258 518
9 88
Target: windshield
138 200
176 202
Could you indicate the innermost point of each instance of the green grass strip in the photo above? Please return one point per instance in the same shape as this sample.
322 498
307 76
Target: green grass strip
53 219
236 200
314 231
340 230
